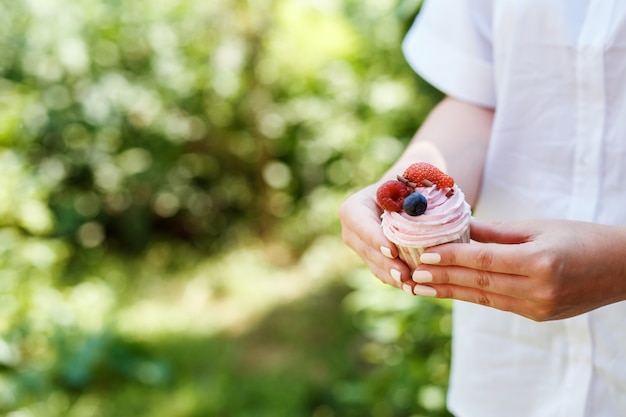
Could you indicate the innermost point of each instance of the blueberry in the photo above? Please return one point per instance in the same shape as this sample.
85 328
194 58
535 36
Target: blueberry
415 204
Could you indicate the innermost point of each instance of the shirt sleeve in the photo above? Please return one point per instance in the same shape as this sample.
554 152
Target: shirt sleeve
449 45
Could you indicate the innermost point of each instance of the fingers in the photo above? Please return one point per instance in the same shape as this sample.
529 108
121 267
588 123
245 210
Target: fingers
500 232
541 270
494 273
360 218
391 271
454 277
498 270
501 302
360 214
513 293
502 248
511 258
534 308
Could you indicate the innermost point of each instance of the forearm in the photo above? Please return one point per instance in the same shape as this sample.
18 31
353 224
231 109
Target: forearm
454 137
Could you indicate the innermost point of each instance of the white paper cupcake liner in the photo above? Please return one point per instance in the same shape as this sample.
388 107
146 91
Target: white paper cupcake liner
411 254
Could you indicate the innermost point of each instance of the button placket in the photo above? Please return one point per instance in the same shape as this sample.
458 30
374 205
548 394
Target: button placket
590 117
590 121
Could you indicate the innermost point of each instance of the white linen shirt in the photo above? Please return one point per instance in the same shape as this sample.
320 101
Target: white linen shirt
555 72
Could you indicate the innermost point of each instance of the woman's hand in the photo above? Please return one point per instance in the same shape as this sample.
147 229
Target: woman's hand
543 270
453 137
361 231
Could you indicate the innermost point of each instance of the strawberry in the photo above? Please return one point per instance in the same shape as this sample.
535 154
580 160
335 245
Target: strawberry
423 173
391 194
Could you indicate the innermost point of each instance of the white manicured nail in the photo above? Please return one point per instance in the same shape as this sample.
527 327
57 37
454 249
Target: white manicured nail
422 276
395 274
386 251
430 258
408 289
424 291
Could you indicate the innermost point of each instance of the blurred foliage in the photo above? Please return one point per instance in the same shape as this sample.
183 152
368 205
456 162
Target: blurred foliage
170 174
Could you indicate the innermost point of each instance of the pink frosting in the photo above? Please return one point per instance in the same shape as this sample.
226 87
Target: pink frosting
445 219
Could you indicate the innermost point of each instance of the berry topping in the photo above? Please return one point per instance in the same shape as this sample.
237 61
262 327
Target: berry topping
415 204
391 194
423 173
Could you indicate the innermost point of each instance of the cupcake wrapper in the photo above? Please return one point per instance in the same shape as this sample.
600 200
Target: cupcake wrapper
411 254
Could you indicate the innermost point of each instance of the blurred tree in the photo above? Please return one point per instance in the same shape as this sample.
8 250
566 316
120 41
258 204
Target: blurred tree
125 125
196 121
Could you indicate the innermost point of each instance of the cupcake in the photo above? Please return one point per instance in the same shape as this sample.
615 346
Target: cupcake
422 208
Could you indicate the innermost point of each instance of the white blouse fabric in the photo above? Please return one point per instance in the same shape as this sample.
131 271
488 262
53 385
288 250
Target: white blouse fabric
555 72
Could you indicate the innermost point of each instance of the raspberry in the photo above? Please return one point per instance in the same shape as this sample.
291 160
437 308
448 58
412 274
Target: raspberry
420 171
391 194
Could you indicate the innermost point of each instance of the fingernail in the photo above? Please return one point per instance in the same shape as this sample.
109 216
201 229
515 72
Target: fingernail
422 276
430 258
395 274
408 289
424 291
386 251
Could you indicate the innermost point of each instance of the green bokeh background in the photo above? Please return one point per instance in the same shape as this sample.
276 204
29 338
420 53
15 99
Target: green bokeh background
170 174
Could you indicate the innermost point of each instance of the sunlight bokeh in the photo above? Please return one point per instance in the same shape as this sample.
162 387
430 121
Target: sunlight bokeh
170 174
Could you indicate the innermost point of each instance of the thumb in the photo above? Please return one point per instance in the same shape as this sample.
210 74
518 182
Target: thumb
500 232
